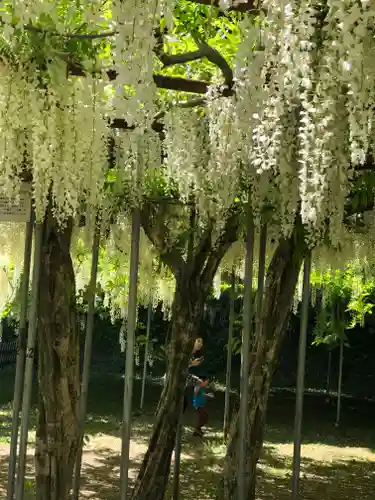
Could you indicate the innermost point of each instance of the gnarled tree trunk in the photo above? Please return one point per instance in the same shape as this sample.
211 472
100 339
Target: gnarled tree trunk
194 274
58 366
281 280
187 313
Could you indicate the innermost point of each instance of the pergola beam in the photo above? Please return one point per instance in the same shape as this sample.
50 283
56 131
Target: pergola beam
161 81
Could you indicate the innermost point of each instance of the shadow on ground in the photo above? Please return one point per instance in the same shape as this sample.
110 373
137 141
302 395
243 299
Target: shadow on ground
336 480
330 470
105 412
201 473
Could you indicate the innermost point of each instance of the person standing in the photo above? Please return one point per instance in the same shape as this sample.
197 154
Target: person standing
193 362
200 404
198 344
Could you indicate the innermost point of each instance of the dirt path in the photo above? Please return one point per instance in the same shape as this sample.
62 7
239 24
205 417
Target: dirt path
327 471
101 466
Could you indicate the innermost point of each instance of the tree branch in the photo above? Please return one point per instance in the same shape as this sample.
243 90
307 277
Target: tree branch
228 236
217 59
185 57
78 36
157 233
204 247
192 103
121 123
70 36
204 51
161 81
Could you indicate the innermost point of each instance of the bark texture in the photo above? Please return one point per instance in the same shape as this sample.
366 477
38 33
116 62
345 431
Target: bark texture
187 312
58 367
194 275
281 281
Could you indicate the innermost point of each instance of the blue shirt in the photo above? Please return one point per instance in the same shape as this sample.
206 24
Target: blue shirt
199 400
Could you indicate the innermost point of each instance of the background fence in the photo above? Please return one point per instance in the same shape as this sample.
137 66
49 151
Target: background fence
358 366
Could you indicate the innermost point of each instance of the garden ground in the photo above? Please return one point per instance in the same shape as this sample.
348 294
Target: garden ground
337 464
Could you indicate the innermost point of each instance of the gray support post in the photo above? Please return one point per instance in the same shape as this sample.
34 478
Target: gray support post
328 379
177 459
129 363
245 354
148 330
261 271
20 366
301 378
30 355
339 389
87 358
229 356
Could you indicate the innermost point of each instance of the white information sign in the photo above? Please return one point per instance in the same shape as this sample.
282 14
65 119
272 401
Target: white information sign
16 211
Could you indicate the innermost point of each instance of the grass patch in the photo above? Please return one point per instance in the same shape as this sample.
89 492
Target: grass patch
337 463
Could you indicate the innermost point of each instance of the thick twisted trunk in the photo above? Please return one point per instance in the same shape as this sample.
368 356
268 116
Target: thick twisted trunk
58 367
194 273
187 313
281 281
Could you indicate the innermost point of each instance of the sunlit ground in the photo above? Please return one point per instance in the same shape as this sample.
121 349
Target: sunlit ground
337 464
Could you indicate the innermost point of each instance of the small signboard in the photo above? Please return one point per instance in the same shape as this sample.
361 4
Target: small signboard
11 211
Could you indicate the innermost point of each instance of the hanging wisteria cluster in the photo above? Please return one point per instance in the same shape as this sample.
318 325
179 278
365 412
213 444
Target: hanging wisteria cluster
56 134
12 241
299 122
154 284
133 53
354 245
309 85
54 128
138 154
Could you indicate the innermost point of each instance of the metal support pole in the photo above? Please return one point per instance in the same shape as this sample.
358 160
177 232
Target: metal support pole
261 271
129 363
339 389
30 355
148 330
87 359
245 354
20 366
301 378
177 459
229 356
328 380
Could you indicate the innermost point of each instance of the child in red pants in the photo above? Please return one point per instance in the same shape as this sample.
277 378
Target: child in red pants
199 402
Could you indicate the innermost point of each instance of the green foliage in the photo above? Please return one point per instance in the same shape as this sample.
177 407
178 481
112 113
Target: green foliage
29 486
237 342
346 298
195 21
12 307
192 22
42 47
362 196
